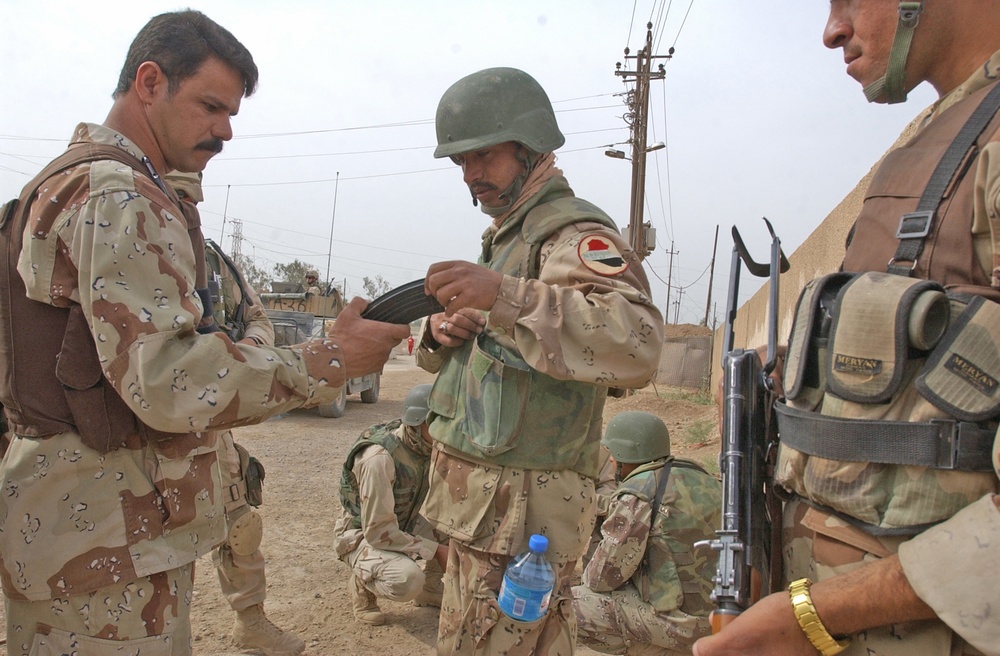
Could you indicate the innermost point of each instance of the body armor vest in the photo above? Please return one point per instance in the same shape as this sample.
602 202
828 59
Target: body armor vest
51 380
858 355
410 486
486 396
671 575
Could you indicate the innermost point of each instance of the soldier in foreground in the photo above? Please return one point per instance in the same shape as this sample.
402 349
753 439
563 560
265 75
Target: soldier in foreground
112 487
888 436
556 311
380 534
239 560
646 589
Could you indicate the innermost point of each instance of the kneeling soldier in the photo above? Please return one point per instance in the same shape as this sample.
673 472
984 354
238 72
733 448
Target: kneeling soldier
646 588
381 533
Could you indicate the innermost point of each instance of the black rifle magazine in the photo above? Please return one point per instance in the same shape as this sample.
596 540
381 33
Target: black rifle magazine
402 305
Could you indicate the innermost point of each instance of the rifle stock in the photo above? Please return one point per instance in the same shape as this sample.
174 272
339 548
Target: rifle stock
749 556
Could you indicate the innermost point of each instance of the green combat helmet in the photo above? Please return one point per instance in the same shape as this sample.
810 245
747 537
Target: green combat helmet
494 106
637 437
415 408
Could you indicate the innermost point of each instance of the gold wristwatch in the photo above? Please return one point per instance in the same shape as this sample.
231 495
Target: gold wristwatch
809 621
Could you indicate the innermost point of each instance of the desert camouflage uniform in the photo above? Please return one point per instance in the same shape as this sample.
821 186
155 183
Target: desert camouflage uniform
505 468
79 523
605 486
948 565
380 532
647 590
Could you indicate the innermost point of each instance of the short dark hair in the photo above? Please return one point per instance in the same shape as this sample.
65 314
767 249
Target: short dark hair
179 42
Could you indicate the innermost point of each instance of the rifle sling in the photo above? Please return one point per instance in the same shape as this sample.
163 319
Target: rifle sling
938 444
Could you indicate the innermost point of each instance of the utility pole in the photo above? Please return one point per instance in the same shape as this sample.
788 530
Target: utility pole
670 271
677 311
638 103
711 275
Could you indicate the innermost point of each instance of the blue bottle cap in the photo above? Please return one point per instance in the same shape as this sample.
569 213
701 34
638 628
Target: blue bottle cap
538 543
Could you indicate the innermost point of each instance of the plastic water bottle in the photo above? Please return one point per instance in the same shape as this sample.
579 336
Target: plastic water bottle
528 582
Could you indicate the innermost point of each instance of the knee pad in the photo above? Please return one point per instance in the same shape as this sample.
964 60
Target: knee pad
245 533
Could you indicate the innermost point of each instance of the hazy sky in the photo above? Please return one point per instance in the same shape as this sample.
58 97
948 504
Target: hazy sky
759 120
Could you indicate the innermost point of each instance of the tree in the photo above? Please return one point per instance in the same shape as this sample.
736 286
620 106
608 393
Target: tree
377 287
294 271
255 276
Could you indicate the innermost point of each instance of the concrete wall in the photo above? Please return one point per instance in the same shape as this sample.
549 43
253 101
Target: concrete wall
821 253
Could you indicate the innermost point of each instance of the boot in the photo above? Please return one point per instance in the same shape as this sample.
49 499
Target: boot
433 588
254 631
363 601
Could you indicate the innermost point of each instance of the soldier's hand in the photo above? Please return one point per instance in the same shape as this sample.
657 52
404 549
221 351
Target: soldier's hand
364 344
453 330
768 627
457 284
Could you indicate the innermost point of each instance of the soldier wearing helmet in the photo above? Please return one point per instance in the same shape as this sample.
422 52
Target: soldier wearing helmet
380 534
312 278
556 310
239 561
888 541
647 588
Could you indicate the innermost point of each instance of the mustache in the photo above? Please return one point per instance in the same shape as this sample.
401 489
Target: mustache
479 187
211 145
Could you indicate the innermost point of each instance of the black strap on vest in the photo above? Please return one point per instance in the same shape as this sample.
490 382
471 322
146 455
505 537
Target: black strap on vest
915 226
938 443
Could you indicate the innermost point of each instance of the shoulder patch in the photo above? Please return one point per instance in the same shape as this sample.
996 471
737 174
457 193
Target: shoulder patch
601 256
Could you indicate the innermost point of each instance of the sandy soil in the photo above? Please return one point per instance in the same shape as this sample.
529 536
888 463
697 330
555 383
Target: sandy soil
307 587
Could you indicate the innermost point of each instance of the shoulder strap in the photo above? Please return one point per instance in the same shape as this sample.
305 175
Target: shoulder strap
915 226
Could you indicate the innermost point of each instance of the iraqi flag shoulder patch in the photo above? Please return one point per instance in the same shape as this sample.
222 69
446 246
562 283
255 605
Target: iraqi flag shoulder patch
601 256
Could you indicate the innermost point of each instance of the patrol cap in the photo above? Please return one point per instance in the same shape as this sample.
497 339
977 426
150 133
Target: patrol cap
186 184
415 408
637 437
493 106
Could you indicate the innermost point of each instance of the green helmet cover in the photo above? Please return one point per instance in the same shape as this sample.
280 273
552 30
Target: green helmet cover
494 106
415 405
637 437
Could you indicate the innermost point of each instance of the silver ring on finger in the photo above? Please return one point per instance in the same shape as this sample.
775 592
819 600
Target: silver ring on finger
443 327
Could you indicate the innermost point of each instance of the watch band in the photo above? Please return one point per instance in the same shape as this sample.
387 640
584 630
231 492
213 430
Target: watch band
809 622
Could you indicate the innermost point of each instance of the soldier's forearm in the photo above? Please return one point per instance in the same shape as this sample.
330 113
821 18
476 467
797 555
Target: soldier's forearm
877 594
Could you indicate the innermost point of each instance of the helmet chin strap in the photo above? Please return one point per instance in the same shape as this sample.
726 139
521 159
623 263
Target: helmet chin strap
513 192
889 88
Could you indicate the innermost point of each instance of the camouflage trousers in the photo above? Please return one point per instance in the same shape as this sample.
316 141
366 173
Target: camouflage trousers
820 546
149 616
388 574
620 622
471 622
241 577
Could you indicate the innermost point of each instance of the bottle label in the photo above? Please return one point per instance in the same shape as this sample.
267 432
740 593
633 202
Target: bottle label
521 603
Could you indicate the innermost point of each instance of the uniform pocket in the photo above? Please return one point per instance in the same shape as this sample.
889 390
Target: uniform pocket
498 388
58 643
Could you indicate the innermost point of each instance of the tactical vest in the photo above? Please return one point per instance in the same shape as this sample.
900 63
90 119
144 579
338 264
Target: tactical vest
410 486
486 396
672 575
51 380
891 382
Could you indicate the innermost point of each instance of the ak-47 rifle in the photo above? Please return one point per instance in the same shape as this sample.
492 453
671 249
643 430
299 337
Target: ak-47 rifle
749 539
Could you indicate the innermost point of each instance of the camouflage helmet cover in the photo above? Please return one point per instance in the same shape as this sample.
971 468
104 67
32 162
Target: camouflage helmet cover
186 185
415 408
493 106
637 437
312 273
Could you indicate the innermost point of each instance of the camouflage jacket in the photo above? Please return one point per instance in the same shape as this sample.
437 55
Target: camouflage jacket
382 485
108 241
658 554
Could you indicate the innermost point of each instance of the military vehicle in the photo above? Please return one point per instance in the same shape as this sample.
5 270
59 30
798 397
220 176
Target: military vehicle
298 315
